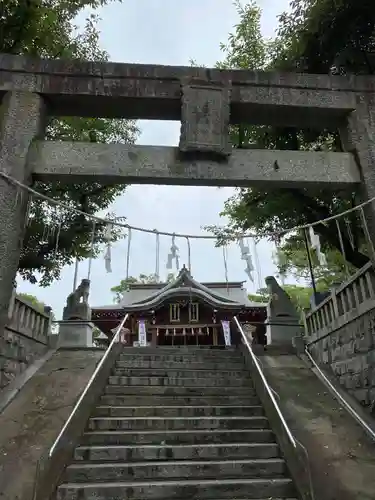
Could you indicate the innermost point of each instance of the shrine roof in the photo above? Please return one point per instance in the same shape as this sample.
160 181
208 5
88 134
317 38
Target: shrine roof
231 295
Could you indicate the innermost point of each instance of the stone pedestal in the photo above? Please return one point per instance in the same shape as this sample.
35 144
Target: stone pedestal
283 330
21 121
75 334
299 344
53 340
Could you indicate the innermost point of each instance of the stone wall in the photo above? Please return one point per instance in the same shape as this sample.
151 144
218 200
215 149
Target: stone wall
341 333
24 339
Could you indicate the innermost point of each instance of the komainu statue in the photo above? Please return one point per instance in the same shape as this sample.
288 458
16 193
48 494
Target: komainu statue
77 304
282 317
280 303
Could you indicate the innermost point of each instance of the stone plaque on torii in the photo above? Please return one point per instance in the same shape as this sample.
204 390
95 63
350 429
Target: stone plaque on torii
205 101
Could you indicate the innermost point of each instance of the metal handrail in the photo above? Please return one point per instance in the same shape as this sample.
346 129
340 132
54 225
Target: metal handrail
271 393
89 383
342 400
261 365
266 384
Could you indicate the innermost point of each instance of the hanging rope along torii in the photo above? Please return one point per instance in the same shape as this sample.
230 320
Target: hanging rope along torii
342 248
189 253
315 244
157 256
225 258
367 233
257 265
91 249
174 248
128 257
173 255
235 236
245 255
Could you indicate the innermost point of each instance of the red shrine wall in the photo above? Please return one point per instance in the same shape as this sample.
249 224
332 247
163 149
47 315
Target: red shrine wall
162 315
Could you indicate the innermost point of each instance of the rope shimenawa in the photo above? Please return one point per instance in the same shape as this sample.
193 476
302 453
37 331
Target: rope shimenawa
178 235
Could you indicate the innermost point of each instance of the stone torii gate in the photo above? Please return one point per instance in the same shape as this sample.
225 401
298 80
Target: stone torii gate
206 101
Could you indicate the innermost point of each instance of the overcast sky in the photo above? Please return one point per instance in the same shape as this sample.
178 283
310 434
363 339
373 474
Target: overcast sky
169 32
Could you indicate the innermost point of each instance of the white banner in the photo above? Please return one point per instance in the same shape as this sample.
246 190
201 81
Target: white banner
226 330
142 337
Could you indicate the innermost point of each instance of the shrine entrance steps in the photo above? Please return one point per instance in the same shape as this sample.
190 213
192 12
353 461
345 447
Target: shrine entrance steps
178 423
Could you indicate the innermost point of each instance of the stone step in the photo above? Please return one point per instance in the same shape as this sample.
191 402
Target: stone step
177 390
166 400
212 489
193 364
176 365
228 451
143 471
219 380
199 357
177 373
180 349
173 423
179 353
171 437
176 411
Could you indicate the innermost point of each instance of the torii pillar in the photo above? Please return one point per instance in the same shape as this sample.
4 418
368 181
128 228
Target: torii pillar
358 137
21 121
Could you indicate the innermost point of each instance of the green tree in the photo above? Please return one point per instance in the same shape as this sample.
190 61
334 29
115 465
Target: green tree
261 296
32 300
45 28
308 39
38 305
323 36
292 260
299 295
118 290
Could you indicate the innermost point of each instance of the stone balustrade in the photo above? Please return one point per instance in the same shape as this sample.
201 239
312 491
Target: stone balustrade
25 338
341 334
345 303
29 320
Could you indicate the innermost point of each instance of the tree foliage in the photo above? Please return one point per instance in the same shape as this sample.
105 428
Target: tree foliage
39 306
260 297
120 289
292 260
323 36
317 36
299 295
32 300
46 28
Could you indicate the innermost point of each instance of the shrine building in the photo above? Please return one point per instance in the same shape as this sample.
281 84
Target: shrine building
183 312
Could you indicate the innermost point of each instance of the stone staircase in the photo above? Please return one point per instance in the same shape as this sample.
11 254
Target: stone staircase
178 423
